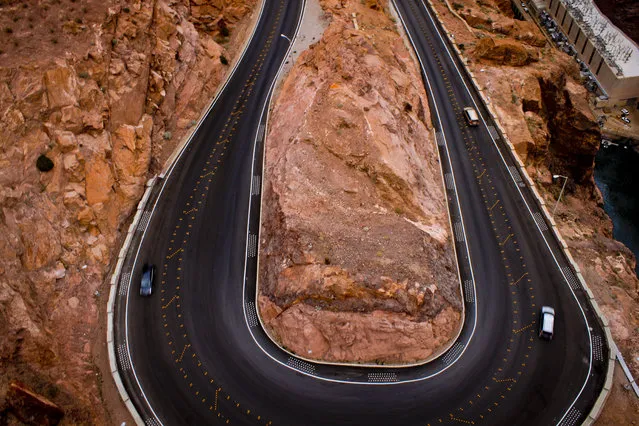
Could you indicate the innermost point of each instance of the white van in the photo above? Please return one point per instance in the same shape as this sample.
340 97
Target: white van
471 116
546 322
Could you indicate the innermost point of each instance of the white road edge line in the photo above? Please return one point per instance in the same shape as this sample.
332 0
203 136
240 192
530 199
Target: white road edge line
165 180
527 206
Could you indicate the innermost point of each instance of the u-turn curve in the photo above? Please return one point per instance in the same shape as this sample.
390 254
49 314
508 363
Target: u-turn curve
195 353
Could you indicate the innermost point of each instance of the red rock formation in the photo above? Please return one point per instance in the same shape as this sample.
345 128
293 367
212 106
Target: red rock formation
356 260
105 94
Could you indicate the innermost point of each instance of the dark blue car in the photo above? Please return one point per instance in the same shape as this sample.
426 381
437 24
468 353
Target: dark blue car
146 283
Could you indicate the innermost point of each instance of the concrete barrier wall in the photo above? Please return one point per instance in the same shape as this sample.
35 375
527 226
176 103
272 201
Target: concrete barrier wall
596 410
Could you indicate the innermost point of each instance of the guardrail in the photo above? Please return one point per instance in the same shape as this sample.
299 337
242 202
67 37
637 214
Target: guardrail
598 406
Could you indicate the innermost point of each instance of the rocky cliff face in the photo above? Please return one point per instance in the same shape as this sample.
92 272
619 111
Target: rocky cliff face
546 114
530 83
104 90
356 259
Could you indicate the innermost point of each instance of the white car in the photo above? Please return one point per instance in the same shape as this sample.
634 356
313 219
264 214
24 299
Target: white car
625 120
546 323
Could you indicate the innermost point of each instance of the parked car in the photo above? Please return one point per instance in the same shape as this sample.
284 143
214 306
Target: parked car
546 322
624 111
625 119
146 283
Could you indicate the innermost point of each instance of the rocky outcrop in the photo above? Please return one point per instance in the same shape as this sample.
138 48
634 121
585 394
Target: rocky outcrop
502 52
106 102
356 259
31 408
574 133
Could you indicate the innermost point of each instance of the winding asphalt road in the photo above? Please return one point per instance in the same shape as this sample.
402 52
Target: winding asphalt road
194 352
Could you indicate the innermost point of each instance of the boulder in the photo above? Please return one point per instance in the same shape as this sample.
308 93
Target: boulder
99 180
66 141
503 52
31 408
61 87
132 156
72 118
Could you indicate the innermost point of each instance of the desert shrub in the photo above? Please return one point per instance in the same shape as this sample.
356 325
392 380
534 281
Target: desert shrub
223 60
44 163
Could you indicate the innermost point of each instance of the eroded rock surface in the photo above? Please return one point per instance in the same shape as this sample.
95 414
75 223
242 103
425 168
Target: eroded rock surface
356 259
104 89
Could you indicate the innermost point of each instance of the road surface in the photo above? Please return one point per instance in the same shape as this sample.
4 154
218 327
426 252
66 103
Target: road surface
194 352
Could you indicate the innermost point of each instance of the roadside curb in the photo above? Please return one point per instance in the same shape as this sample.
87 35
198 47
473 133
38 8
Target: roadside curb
598 406
115 279
150 185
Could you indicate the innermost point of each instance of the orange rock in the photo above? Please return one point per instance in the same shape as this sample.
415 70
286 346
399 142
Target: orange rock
61 87
66 141
503 52
99 180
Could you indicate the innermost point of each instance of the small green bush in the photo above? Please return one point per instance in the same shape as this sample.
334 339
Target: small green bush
44 163
223 60
458 6
8 30
114 42
126 10
83 74
225 31
167 135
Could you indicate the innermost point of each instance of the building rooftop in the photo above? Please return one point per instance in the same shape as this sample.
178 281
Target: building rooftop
617 49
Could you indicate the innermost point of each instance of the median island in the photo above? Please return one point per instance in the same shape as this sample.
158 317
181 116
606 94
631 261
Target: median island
357 263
